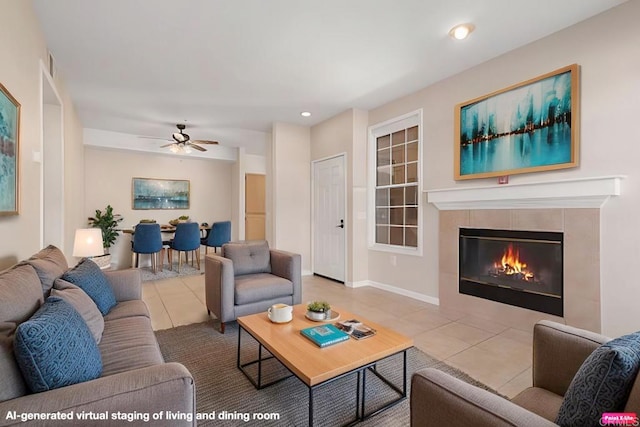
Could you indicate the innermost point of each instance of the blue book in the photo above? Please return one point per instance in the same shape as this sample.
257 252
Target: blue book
325 335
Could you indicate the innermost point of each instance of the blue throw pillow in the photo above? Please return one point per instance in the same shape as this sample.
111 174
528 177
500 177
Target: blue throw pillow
88 276
55 348
602 384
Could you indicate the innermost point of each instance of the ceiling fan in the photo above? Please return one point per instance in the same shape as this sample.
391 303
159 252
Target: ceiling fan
182 142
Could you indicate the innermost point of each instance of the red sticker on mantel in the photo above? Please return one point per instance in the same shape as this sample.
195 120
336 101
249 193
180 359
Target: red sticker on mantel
503 179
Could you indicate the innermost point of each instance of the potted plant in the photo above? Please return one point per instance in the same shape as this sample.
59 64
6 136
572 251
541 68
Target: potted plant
107 221
318 310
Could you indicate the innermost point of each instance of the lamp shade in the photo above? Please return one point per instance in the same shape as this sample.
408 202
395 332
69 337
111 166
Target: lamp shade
88 242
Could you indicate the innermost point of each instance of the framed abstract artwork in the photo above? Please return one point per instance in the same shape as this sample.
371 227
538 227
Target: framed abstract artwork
9 151
529 127
149 193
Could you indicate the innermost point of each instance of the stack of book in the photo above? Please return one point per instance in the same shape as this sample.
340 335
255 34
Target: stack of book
356 329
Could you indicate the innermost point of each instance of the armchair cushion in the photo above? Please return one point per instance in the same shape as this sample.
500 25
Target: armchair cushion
261 287
248 257
602 383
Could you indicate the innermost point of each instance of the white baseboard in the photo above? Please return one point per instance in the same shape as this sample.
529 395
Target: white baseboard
401 291
307 273
357 284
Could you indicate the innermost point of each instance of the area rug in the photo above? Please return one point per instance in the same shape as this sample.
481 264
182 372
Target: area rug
185 270
211 358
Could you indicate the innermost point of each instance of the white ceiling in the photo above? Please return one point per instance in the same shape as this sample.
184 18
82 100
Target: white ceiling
233 67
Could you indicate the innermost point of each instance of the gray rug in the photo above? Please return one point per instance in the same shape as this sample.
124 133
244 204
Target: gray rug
221 387
185 270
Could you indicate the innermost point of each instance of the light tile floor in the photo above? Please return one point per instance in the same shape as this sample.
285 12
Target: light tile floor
494 354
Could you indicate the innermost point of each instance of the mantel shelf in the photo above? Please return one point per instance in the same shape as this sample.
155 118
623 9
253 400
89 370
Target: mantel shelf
575 193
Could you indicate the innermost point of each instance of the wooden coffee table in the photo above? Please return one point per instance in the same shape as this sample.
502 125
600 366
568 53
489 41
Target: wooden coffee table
316 366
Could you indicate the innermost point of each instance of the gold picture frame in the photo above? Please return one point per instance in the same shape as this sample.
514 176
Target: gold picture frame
9 153
532 126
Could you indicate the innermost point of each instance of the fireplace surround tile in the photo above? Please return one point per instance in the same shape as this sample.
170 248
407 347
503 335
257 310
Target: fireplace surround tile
581 229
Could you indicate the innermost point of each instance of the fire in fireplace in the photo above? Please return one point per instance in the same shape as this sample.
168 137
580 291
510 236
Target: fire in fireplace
521 268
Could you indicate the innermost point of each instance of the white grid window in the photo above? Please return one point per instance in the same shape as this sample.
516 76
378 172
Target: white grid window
396 149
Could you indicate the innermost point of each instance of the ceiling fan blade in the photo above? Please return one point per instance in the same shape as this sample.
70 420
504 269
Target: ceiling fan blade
167 145
204 141
153 137
197 147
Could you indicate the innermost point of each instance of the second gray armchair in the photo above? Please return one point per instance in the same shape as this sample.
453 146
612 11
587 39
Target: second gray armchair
249 278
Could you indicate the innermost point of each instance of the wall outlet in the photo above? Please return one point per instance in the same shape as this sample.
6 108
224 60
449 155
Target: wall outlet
393 260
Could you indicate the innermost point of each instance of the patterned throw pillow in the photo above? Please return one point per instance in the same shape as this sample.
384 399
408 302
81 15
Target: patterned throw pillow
88 276
602 384
55 348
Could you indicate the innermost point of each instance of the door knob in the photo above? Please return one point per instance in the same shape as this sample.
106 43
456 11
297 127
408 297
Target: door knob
341 224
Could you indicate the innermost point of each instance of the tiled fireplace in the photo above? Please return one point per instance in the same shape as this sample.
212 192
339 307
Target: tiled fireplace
559 214
580 229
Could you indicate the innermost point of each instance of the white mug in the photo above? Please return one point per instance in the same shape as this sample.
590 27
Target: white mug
280 313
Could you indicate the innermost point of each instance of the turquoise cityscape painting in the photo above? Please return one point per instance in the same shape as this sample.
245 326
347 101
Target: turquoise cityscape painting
529 127
9 149
148 193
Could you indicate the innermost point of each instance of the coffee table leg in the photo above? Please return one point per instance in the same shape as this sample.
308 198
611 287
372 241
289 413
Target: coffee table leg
358 396
310 406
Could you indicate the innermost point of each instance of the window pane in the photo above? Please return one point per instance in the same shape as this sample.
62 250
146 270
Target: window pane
382 216
412 216
397 137
382 197
397 154
384 157
412 152
384 177
412 134
411 237
396 235
412 173
411 195
398 174
382 235
383 141
397 216
397 198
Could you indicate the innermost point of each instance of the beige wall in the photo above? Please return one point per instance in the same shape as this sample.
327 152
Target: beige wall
346 133
289 191
23 47
607 47
108 175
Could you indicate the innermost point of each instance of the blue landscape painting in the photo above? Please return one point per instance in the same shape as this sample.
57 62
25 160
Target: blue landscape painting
8 152
523 128
160 194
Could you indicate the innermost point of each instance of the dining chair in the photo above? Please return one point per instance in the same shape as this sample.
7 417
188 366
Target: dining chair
147 239
219 234
186 239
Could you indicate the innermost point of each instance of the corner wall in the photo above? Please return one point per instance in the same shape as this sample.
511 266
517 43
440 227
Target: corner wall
607 49
22 41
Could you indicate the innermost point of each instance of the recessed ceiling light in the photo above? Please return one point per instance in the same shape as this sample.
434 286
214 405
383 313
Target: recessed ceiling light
460 32
305 114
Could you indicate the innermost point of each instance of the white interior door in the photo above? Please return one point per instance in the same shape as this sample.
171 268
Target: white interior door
329 218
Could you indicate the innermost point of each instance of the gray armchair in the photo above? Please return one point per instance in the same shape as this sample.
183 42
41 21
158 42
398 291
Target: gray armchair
249 278
438 399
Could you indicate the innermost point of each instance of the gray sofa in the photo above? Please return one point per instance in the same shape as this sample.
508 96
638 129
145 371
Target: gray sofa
134 377
438 399
248 278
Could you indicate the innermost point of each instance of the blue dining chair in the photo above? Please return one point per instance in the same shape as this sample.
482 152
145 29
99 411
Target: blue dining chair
147 239
219 234
186 239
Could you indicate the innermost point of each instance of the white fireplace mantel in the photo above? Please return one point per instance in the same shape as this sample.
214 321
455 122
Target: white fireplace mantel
574 193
